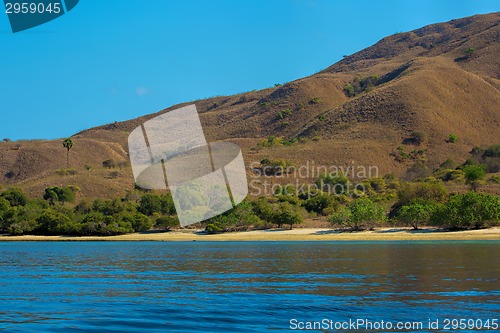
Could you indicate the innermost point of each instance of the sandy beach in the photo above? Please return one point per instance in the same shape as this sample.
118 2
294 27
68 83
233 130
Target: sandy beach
299 234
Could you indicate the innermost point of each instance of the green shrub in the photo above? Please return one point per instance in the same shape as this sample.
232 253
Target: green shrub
423 191
284 113
242 217
470 51
288 195
359 85
378 184
401 154
457 175
333 184
349 90
264 104
271 141
474 173
291 141
495 179
276 167
451 175
214 228
314 100
453 138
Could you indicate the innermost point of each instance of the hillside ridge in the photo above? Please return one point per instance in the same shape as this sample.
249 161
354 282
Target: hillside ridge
440 79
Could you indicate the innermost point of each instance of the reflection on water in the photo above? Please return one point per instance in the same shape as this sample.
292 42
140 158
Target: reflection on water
240 286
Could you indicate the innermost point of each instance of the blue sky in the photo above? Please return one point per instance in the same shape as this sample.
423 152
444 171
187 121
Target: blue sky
113 60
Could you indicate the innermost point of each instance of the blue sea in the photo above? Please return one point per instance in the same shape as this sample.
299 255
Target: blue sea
248 286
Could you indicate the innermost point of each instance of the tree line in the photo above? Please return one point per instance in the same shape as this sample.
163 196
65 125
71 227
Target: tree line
386 201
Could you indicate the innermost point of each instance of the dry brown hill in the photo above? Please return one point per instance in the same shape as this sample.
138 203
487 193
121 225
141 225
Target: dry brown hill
437 80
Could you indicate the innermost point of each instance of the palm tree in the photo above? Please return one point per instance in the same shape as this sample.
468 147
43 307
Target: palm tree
68 144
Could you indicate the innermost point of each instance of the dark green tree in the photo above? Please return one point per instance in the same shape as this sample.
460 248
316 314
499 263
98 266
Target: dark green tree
470 210
264 209
55 194
318 203
52 223
15 197
359 214
426 191
166 222
149 204
288 214
416 213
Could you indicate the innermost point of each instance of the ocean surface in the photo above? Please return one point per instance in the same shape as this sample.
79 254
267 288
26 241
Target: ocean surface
248 286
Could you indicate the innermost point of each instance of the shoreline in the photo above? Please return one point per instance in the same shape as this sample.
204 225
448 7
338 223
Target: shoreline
299 234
